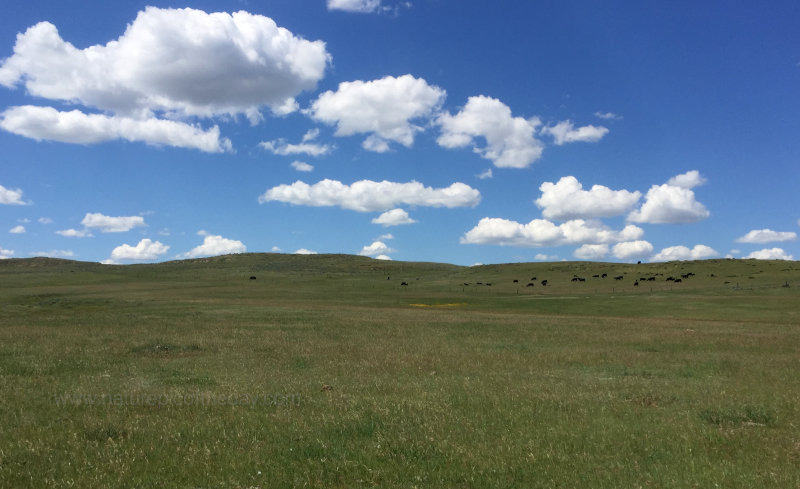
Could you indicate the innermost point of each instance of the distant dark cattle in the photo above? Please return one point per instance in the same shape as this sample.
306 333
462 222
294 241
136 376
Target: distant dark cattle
516 281
618 277
574 279
669 279
636 284
252 277
685 275
466 283
533 278
651 279
604 275
403 283
544 283
530 284
488 284
581 279
479 283
677 280
595 276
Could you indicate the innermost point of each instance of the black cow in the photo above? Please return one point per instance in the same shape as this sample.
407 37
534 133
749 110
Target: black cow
403 283
252 277
618 277
544 283
530 284
604 275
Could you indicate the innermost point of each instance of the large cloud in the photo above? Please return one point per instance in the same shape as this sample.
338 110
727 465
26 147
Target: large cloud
11 196
214 245
146 249
169 63
565 132
381 108
541 232
673 202
181 61
770 254
370 196
5 254
767 236
566 199
682 253
510 141
47 123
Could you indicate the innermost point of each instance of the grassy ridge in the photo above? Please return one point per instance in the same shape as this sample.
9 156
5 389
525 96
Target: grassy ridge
189 374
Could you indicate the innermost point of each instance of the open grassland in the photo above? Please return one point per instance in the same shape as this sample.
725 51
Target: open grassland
190 374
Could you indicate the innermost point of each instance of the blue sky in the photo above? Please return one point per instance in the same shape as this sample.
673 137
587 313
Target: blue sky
426 130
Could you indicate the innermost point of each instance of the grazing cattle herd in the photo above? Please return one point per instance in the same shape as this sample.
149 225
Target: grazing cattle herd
579 279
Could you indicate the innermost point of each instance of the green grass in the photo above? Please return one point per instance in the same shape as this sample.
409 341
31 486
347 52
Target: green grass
189 374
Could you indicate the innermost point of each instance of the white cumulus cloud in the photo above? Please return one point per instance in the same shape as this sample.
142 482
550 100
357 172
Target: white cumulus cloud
383 109
370 196
375 249
302 166
565 132
591 252
109 224
682 253
54 254
672 203
632 250
5 254
214 245
541 232
47 123
510 141
566 199
179 61
306 146
20 229
146 249
10 196
304 251
394 217
767 236
770 254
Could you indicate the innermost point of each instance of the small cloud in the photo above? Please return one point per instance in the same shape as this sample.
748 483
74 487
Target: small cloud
565 132
394 217
375 249
164 232
385 236
45 220
276 249
383 257
301 166
770 254
214 245
54 254
75 233
766 236
109 224
304 251
608 116
10 196
17 230
543 257
146 249
5 254
485 175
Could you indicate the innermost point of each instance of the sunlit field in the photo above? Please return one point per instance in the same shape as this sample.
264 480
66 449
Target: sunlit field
268 370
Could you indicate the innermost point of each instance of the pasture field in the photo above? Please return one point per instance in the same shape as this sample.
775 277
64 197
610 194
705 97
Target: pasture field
324 371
